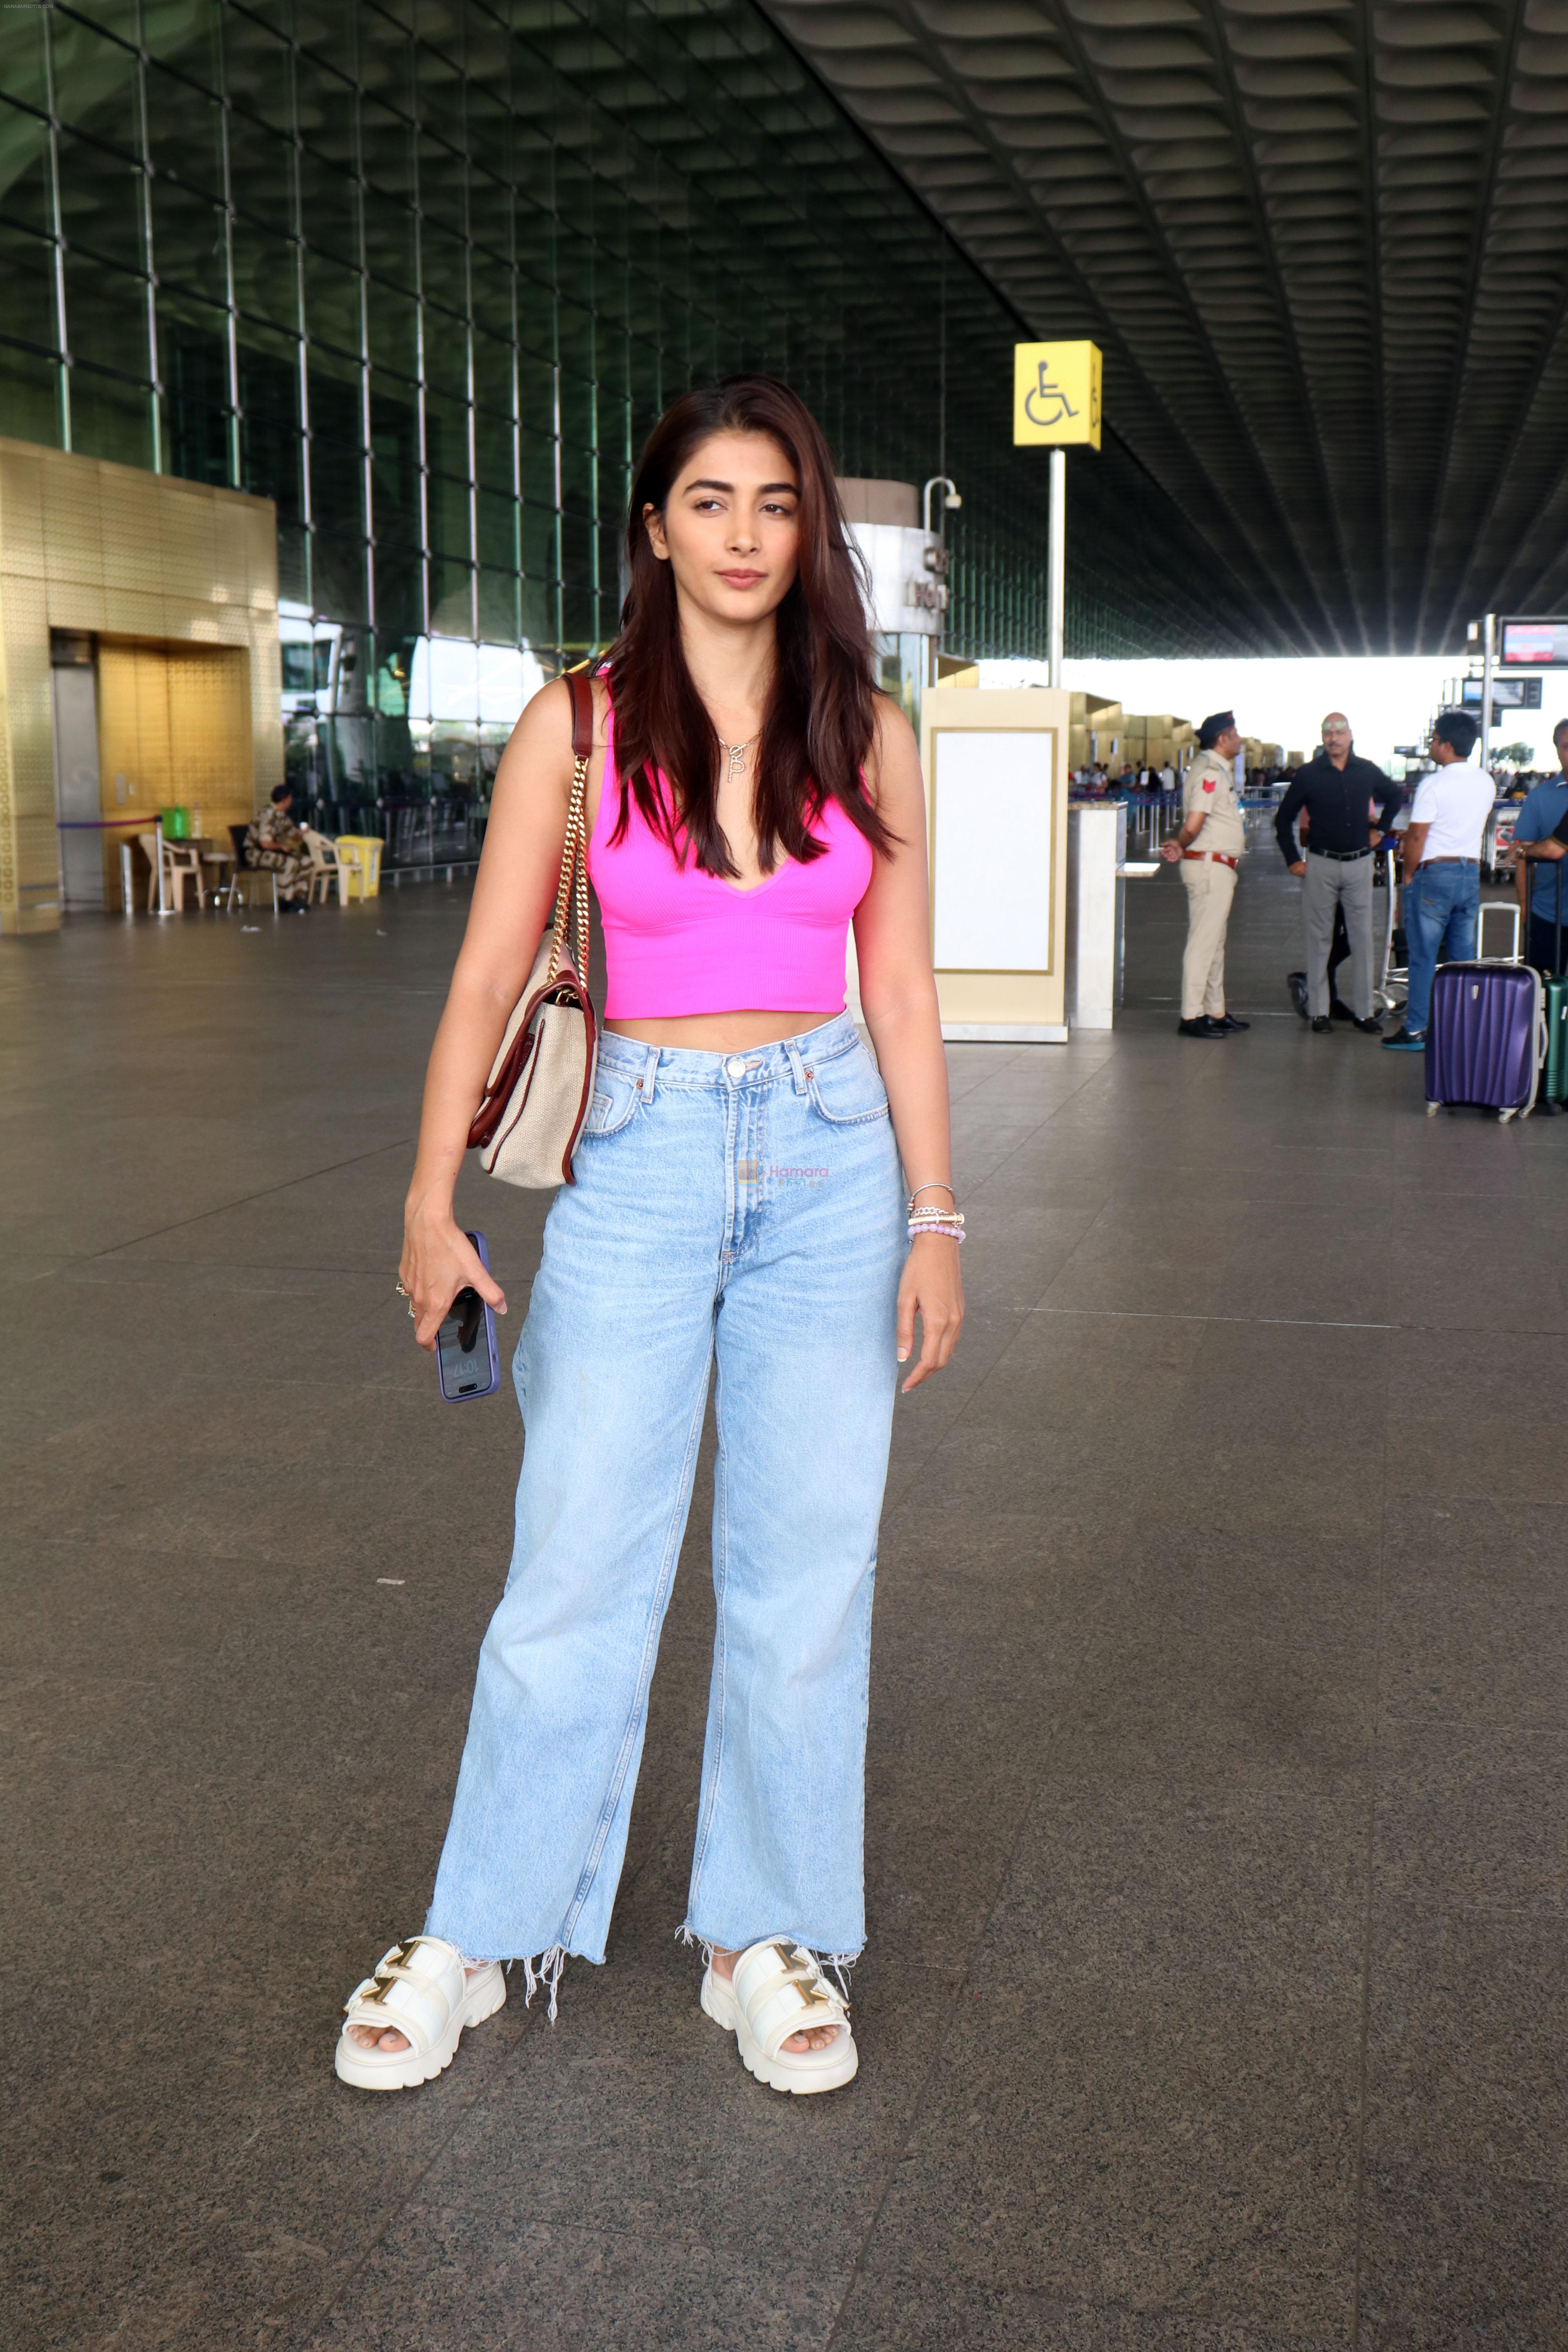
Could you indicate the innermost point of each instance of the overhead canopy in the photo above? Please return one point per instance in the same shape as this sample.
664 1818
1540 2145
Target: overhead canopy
1324 249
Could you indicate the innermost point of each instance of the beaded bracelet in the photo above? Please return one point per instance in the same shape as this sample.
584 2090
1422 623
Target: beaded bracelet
949 1222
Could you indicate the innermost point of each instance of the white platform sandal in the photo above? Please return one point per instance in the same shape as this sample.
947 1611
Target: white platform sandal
778 1989
420 1989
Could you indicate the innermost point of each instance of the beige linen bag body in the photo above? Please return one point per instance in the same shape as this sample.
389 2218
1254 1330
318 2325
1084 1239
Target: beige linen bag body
541 1080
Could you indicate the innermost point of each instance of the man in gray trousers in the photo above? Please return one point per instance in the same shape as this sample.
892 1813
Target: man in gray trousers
1335 789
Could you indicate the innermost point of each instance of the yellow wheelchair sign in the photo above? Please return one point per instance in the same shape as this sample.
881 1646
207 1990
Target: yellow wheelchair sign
1056 394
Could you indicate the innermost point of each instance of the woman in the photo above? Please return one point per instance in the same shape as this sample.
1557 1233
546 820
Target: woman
274 845
737 1198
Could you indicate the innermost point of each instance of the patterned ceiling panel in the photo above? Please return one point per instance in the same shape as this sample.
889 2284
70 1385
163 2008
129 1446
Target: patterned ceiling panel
1324 248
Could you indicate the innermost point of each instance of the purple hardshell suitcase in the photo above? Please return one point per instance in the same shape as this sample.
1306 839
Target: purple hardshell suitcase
1486 1038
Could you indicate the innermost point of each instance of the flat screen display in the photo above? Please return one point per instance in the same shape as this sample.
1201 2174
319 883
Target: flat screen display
1542 644
1508 693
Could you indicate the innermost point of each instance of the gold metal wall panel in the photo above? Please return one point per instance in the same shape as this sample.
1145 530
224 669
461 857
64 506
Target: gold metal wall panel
73 528
154 733
76 604
191 550
126 787
133 615
178 580
230 563
29 865
209 722
173 730
206 625
132 549
256 529
22 515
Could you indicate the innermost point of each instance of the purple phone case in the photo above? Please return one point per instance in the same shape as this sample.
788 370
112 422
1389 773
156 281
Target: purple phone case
1485 1035
474 1394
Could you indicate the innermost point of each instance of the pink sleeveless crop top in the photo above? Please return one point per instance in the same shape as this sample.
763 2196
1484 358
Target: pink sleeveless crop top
679 941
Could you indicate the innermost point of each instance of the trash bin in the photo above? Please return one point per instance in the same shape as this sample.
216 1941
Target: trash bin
360 854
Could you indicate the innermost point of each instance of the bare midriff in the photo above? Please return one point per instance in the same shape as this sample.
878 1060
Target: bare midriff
718 1032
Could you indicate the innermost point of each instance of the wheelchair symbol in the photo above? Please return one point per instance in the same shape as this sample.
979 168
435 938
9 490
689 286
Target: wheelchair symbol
1047 404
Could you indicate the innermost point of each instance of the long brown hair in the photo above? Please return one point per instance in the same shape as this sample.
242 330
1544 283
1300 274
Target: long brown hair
820 718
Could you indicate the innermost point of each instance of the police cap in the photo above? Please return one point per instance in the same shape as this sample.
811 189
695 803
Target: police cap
1214 728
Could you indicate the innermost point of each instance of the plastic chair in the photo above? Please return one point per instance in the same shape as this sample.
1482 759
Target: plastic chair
248 876
326 866
359 865
181 863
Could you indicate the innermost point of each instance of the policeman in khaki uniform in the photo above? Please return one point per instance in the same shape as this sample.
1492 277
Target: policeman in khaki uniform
1208 849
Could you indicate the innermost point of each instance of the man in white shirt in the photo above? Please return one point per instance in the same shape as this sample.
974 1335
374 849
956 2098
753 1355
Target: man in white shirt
1442 862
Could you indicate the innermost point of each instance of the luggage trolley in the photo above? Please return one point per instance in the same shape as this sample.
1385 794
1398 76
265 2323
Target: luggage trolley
1497 839
1393 981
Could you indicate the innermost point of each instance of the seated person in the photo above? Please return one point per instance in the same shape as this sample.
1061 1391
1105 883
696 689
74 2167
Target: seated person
274 845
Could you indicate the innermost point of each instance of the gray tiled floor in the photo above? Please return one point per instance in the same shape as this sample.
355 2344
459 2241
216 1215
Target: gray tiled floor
1217 1871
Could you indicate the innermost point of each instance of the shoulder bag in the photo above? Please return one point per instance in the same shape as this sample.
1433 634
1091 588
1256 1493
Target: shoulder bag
541 1081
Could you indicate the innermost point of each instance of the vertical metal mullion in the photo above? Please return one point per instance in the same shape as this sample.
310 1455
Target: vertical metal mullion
594 451
367 459
470 382
149 260
560 623
231 305
57 230
517 568
419 333
296 197
372 660
595 454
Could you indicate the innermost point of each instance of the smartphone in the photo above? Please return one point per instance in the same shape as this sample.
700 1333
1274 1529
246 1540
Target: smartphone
466 1363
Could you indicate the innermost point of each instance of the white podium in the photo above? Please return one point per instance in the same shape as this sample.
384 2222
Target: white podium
1097 850
995 767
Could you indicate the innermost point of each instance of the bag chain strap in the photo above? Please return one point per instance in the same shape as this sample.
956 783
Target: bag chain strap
572 892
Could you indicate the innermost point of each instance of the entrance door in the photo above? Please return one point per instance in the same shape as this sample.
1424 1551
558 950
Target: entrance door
75 693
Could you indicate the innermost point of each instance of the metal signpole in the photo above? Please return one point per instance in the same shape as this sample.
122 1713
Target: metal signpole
1056 572
1488 658
1056 401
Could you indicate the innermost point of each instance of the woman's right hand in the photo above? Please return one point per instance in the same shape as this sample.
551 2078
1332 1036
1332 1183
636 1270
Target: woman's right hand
438 1260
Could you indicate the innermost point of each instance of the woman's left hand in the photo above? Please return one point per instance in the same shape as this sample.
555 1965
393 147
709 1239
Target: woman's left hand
932 1285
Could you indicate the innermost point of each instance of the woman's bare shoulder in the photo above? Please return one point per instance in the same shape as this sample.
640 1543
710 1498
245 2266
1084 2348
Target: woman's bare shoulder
539 748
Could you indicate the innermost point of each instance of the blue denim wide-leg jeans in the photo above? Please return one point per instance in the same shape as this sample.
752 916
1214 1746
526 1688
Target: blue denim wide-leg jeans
1441 905
748 1210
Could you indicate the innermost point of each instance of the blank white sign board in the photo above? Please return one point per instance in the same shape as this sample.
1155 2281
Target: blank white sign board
993 839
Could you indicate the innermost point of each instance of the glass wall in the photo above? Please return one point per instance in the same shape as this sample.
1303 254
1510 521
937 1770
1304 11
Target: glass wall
424 272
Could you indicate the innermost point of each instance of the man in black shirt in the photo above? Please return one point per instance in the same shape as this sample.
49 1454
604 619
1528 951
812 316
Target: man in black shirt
1336 789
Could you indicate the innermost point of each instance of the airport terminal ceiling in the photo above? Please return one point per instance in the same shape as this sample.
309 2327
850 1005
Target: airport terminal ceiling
422 273
1324 248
